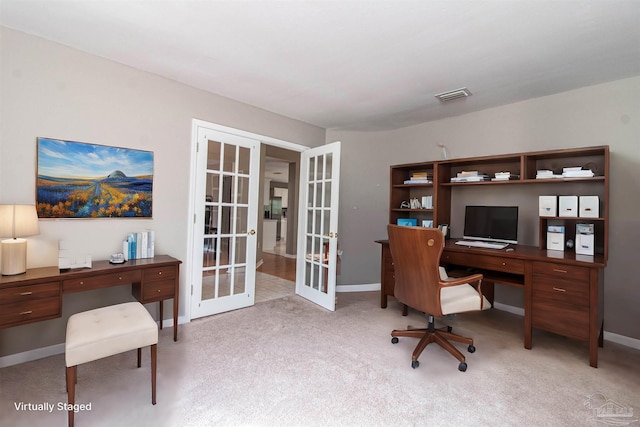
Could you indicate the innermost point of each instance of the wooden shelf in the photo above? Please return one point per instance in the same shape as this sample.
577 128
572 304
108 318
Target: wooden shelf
522 165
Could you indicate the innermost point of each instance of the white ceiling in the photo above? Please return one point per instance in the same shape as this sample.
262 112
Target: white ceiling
353 64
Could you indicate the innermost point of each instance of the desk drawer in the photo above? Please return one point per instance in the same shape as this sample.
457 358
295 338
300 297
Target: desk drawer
564 319
102 281
25 304
29 293
158 290
560 289
160 273
572 272
486 262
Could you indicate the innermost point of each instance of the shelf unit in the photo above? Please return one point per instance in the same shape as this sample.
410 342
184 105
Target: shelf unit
522 166
401 192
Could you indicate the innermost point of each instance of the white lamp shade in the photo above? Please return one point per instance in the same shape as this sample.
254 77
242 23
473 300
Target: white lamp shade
18 221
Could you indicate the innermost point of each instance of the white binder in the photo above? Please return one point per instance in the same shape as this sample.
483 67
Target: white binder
555 237
568 206
547 205
585 241
589 206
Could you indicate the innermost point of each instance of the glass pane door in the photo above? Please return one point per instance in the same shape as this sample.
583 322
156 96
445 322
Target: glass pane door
226 237
318 244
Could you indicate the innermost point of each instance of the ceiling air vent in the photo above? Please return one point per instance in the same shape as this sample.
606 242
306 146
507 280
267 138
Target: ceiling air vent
453 94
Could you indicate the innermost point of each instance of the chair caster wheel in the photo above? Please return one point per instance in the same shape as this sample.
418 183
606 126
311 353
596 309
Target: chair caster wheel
449 329
462 367
394 340
415 364
471 349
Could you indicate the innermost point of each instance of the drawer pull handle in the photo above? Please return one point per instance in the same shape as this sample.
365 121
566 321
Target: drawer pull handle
159 273
119 277
559 289
81 282
26 293
504 263
559 271
24 313
158 290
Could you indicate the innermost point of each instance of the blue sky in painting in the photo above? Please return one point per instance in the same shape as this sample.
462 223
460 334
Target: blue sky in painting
65 159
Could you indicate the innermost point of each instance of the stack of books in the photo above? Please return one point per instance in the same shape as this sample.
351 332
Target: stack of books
418 177
546 174
139 245
577 172
504 176
469 176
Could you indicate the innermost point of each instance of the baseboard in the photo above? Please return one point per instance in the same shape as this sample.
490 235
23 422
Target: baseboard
358 288
621 339
509 308
28 356
52 350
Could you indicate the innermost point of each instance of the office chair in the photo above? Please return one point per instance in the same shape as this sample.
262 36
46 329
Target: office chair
422 284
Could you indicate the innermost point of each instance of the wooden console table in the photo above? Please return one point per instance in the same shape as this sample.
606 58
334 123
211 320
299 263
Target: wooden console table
562 290
37 294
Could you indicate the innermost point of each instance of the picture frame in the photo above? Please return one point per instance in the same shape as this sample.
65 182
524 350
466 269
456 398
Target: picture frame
84 180
444 228
427 223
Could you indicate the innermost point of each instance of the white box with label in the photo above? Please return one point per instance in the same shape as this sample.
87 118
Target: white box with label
585 241
589 207
547 205
568 206
555 237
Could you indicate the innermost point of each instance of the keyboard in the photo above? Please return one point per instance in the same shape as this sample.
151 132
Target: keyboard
481 244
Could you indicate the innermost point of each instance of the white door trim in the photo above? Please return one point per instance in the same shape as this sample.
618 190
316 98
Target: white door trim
195 125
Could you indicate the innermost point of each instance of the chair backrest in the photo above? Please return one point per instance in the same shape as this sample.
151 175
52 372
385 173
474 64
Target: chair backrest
416 255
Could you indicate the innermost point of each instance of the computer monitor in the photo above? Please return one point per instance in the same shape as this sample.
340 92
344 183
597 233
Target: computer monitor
491 223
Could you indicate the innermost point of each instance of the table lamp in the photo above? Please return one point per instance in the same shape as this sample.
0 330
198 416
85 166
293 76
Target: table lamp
16 221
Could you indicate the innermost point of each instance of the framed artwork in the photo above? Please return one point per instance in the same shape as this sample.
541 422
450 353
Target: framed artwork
82 180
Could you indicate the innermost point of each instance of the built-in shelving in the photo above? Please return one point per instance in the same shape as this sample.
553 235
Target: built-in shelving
523 167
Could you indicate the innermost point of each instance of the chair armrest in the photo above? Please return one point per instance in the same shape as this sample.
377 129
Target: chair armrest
454 281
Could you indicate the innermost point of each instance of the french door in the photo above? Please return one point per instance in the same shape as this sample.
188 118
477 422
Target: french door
318 222
226 207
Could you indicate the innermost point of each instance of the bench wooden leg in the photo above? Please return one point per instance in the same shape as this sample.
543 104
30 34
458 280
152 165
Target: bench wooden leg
71 390
154 362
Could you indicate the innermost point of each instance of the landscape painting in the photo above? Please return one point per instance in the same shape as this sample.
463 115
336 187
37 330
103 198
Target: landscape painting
81 180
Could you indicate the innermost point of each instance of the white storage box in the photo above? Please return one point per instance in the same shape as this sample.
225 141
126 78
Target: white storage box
547 205
585 241
568 206
589 206
555 237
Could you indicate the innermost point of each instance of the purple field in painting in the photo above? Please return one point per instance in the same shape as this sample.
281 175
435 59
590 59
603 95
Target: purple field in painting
115 197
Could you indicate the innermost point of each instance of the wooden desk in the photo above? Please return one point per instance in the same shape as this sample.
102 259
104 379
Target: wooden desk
562 290
37 294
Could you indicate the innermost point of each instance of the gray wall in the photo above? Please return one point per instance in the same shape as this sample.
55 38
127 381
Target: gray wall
47 89
606 114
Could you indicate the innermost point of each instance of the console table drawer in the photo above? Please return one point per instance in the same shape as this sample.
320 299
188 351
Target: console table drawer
159 273
29 293
157 291
572 272
26 304
560 289
101 281
507 265
564 319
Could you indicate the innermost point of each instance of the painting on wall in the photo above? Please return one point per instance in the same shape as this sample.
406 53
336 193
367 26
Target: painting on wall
82 180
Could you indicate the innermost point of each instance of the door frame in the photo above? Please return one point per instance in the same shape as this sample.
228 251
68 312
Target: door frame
191 212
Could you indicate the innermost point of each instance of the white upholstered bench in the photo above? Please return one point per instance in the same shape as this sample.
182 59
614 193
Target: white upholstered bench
107 331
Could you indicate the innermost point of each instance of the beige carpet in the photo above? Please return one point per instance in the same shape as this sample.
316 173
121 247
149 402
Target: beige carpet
286 362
